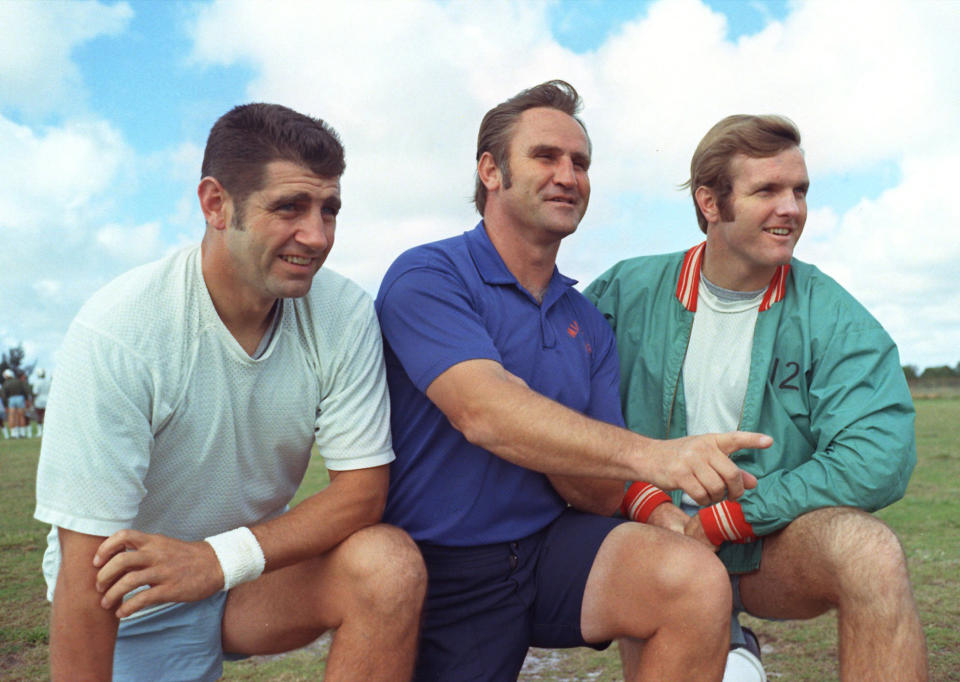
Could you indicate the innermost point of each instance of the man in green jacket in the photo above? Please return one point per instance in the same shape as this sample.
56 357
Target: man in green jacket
736 334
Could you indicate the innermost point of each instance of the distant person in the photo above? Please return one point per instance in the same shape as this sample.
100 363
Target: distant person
3 417
15 392
189 393
41 390
736 333
511 456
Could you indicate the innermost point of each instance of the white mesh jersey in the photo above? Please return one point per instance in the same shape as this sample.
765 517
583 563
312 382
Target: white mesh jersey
160 421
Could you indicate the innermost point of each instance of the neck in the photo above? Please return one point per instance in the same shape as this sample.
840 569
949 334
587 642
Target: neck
725 272
532 263
247 317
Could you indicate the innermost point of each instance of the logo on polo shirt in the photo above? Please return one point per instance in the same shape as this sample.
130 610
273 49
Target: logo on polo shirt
573 329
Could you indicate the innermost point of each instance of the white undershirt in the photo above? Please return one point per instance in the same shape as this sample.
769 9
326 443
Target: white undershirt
717 363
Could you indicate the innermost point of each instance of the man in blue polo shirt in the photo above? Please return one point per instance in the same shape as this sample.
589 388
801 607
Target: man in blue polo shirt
511 455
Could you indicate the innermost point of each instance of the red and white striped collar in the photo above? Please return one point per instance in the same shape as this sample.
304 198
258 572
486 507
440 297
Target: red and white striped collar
688 286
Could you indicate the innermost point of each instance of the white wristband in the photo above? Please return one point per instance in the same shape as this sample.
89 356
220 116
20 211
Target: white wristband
239 554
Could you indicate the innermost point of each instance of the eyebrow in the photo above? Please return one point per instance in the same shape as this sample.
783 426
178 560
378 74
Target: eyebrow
333 201
761 186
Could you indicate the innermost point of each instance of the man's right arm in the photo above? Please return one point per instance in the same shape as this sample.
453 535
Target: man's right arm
499 414
82 633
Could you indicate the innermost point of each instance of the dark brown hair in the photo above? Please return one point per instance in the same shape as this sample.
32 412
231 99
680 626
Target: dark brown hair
248 137
496 129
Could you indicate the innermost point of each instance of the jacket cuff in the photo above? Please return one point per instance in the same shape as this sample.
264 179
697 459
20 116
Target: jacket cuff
724 522
641 499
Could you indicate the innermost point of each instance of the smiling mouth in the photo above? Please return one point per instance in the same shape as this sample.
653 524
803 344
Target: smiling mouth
779 231
570 201
296 260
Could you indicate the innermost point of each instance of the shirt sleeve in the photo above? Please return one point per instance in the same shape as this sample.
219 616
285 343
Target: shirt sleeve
431 323
353 423
97 436
862 418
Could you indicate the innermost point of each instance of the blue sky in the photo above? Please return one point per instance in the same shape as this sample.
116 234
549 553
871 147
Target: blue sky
102 130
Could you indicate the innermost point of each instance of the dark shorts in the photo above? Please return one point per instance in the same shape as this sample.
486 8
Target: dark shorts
486 605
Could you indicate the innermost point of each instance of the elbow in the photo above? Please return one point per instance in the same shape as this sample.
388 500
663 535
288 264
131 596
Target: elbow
374 507
609 503
474 427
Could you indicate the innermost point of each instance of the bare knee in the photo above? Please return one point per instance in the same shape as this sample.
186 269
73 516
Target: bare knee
861 553
695 581
384 570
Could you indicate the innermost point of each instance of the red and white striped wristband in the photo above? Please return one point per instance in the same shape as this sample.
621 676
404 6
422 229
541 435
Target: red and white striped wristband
724 522
641 499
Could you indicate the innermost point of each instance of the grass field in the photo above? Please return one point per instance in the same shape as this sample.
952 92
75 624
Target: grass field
927 520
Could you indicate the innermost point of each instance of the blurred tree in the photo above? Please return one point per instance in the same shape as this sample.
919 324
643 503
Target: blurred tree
14 359
941 372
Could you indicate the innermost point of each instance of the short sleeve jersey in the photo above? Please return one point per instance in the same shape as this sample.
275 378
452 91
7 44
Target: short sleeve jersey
452 301
160 421
41 389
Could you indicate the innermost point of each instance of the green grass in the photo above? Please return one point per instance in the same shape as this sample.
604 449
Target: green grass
927 521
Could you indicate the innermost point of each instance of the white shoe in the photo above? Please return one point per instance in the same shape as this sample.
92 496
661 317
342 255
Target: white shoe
743 666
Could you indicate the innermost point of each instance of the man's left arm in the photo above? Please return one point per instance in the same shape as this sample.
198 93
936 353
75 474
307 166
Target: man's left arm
177 570
353 433
862 417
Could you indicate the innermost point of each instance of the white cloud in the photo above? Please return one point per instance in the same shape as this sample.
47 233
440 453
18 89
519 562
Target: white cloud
59 222
406 84
135 244
55 176
898 254
37 75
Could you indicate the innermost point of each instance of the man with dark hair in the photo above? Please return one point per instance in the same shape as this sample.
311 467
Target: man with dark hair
215 371
736 332
511 455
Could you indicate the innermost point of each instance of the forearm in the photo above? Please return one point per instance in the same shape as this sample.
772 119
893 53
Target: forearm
352 501
532 431
82 632
496 411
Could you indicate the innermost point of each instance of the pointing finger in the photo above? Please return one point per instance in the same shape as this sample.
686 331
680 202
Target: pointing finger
743 440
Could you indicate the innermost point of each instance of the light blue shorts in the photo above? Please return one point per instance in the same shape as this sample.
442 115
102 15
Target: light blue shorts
17 402
177 643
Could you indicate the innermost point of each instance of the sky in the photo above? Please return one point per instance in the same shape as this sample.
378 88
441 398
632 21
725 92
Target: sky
102 131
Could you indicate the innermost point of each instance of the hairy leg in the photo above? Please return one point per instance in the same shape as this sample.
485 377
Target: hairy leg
370 588
666 598
844 558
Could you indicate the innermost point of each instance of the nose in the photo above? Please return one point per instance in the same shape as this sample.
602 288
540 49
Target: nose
788 205
564 174
316 233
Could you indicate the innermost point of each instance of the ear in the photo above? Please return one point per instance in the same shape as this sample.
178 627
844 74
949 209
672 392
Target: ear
706 199
488 172
214 202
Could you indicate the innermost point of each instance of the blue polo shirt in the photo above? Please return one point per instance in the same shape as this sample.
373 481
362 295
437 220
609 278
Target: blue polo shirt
455 300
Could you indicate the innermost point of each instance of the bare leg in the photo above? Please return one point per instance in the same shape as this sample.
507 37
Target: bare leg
845 559
666 598
370 588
